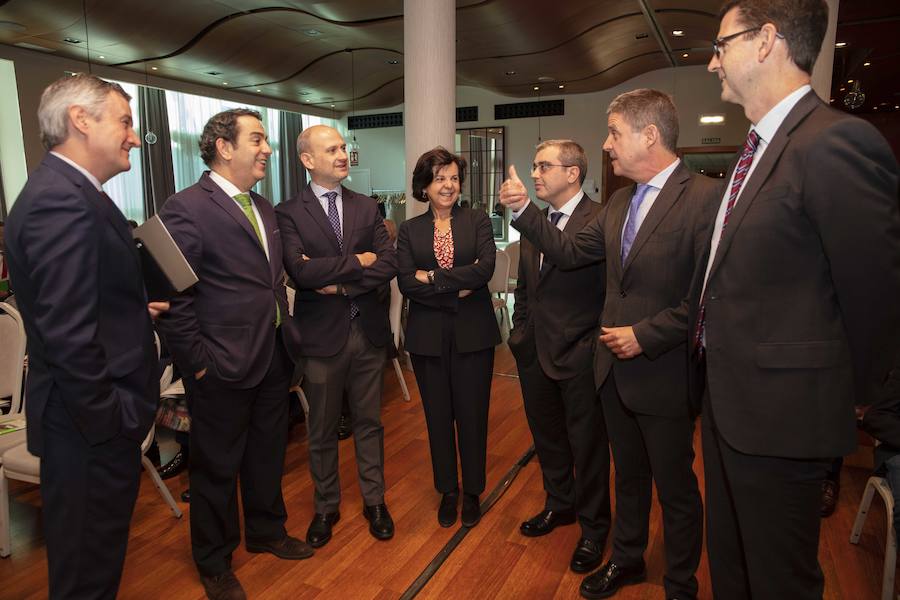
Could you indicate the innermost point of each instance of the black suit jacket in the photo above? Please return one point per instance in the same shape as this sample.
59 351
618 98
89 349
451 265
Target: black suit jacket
324 320
557 314
474 325
650 291
78 285
226 322
801 310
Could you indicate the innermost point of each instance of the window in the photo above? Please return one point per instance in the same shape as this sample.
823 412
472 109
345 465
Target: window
127 189
187 116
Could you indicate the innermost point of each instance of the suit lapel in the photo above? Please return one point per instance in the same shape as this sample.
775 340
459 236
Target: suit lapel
269 225
761 173
227 203
667 197
311 202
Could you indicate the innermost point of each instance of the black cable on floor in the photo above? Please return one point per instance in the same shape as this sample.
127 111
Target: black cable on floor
438 560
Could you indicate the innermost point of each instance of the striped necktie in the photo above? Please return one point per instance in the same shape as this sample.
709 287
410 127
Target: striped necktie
335 219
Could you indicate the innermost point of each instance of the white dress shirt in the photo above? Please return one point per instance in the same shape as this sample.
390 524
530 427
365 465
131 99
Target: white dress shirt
765 129
320 192
80 169
231 191
656 184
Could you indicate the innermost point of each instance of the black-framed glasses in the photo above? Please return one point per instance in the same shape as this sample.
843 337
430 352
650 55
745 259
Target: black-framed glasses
543 167
719 43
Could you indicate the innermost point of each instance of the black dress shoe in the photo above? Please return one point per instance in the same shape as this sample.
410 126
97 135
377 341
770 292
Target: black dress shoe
607 581
288 548
447 510
186 496
546 521
319 531
344 428
830 491
587 556
175 466
471 510
381 525
224 586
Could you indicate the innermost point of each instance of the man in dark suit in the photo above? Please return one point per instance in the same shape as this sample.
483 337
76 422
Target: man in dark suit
794 316
337 251
653 236
231 337
556 319
92 383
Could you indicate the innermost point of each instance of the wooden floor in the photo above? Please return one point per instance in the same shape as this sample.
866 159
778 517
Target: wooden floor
493 561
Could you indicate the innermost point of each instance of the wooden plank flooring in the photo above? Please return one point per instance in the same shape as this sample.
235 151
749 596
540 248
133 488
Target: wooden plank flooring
493 561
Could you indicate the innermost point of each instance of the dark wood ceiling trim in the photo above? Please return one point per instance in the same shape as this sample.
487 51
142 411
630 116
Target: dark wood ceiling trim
591 76
255 11
559 45
362 97
661 39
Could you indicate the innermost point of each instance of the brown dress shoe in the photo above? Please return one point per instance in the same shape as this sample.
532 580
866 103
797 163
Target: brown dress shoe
288 548
830 491
224 586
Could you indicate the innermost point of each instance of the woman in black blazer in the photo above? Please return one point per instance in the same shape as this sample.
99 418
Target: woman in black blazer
446 258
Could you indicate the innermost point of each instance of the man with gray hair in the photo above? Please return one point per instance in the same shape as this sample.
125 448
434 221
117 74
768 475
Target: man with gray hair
555 322
92 383
653 236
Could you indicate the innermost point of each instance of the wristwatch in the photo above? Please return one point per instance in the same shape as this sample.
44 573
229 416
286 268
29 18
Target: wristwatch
431 277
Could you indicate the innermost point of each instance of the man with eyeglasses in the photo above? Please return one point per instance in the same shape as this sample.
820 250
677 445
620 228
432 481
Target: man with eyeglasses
793 316
653 236
555 322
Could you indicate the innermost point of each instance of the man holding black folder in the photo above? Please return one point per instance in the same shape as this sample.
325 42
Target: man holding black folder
92 383
231 335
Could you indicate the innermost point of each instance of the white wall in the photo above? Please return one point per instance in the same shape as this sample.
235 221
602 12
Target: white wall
695 92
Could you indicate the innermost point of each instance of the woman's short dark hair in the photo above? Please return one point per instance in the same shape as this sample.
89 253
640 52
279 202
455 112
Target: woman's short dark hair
223 125
430 163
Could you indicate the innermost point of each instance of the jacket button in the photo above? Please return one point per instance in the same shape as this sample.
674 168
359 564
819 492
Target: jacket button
623 293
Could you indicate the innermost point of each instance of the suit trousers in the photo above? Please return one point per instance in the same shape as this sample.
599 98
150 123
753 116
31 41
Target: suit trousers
88 493
762 520
566 422
456 394
649 448
237 435
356 369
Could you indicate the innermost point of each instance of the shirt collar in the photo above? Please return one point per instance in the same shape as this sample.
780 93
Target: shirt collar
773 119
569 207
320 191
80 169
229 188
660 179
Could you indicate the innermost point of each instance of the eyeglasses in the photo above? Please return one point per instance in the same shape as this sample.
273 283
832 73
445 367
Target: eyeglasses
543 167
719 43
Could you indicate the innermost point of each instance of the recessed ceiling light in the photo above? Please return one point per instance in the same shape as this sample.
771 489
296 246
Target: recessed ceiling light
308 100
393 61
546 78
897 106
874 108
258 90
712 119
867 64
72 40
840 44
332 106
849 81
224 83
536 88
685 55
312 32
510 72
101 57
678 33
154 68
561 86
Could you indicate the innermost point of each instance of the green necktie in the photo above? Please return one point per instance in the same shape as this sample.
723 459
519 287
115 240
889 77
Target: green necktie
247 206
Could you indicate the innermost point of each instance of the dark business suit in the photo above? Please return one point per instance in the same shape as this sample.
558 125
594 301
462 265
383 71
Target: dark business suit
339 354
645 400
92 384
555 322
451 341
239 409
801 322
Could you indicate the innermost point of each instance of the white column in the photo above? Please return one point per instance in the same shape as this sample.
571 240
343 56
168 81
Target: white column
429 83
821 75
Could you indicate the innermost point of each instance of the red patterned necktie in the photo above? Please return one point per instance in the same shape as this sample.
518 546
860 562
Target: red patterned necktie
740 173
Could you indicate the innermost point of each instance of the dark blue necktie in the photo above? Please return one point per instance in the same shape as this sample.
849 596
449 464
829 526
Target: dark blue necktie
555 216
335 219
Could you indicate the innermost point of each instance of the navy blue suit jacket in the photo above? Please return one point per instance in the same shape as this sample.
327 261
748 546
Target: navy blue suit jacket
226 322
78 285
324 320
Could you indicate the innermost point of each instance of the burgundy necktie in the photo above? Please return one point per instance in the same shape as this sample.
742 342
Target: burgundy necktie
740 173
